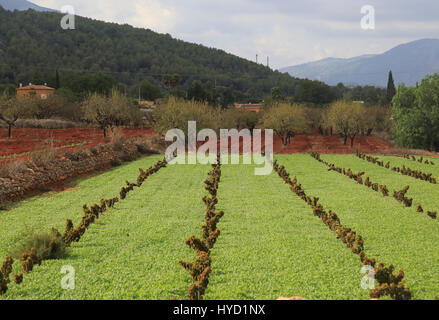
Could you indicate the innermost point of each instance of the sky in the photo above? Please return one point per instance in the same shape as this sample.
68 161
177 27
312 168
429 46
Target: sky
290 32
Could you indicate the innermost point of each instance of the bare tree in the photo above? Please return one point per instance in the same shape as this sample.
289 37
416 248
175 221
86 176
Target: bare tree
11 109
286 121
107 112
348 119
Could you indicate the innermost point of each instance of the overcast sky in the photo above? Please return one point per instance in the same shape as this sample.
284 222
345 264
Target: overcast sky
289 31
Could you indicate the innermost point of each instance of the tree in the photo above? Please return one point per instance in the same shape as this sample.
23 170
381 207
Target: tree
391 91
107 112
177 112
170 82
57 81
83 85
347 119
54 106
198 93
314 92
416 114
286 121
148 91
10 111
277 94
37 78
233 118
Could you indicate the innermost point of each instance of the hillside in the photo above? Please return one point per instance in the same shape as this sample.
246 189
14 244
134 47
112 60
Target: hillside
409 63
33 41
21 5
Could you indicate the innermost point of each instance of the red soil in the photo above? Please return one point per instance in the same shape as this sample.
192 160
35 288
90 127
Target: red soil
27 140
331 144
313 141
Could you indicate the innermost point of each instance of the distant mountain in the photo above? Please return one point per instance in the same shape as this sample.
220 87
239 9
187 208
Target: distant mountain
21 5
409 63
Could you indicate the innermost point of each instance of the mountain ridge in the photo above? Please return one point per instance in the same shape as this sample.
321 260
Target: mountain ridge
410 62
22 5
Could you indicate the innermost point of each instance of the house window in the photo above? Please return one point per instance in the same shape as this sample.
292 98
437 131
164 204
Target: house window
44 96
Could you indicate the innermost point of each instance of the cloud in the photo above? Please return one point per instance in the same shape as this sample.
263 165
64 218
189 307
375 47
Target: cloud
290 32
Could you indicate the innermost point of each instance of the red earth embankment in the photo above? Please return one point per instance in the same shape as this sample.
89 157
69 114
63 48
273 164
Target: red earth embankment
27 140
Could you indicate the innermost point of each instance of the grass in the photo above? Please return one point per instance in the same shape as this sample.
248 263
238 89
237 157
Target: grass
270 245
52 209
392 233
422 192
132 252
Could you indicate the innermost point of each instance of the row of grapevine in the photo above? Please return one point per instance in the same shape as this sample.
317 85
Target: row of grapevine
356 177
420 160
5 271
388 283
200 270
417 174
400 196
71 234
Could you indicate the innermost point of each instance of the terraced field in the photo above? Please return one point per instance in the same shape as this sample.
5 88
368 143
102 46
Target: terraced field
271 242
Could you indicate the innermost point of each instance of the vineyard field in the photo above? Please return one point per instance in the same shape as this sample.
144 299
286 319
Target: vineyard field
270 244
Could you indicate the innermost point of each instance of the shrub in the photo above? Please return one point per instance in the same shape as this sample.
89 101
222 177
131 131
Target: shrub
76 155
117 139
94 151
11 169
5 271
44 156
130 156
46 246
115 162
143 148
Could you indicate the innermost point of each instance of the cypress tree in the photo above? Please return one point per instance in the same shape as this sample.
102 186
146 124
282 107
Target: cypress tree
391 90
57 84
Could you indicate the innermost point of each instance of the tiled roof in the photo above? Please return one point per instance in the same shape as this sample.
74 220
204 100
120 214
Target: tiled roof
35 87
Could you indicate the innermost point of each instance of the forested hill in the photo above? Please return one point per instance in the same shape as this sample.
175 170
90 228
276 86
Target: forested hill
33 41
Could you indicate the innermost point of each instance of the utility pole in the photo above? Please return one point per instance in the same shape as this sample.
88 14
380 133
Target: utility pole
256 58
268 61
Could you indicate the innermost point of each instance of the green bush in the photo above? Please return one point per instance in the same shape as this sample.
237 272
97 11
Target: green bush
47 246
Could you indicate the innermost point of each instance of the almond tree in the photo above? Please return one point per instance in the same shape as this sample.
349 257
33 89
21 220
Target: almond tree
107 112
348 119
286 121
11 109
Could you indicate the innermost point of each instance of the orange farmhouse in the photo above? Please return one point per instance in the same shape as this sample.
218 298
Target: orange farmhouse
40 91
